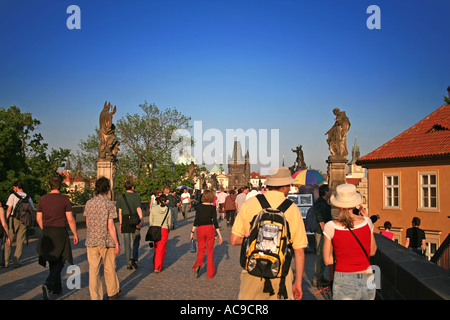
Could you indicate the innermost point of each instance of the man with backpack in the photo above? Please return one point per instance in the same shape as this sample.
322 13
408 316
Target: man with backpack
292 235
17 229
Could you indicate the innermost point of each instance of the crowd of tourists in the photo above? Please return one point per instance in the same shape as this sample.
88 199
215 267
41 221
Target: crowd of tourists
244 211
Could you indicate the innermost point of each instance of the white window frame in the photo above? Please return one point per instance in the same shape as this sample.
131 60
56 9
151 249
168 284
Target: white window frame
389 190
426 198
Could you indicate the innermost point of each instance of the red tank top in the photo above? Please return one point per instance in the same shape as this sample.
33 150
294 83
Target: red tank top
348 253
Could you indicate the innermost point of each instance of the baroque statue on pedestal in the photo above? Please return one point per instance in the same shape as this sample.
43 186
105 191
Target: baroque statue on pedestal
337 135
109 146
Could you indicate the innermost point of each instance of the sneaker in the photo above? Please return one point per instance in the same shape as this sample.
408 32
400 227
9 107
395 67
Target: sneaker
45 292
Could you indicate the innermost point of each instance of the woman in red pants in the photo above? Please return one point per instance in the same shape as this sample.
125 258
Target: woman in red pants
206 225
160 217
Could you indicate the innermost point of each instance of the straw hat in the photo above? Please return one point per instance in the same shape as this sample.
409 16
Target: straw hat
280 176
346 197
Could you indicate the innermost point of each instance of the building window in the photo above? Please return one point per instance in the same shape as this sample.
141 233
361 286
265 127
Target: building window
428 191
391 191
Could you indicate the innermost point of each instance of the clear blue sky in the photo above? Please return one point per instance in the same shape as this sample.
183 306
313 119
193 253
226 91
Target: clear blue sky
273 64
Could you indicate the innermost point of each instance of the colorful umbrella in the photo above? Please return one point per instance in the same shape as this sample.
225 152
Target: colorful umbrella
308 176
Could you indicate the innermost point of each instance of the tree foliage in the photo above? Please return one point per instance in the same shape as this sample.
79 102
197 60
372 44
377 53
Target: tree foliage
149 136
145 150
23 154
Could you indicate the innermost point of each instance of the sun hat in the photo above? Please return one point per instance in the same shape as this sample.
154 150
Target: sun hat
279 176
346 197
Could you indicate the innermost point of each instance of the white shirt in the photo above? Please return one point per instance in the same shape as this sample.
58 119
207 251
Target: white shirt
185 197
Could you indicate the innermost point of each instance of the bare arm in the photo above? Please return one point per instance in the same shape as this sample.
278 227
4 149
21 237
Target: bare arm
299 257
328 258
72 226
112 232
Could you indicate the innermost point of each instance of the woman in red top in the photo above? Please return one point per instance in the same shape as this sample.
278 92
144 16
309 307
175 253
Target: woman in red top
352 277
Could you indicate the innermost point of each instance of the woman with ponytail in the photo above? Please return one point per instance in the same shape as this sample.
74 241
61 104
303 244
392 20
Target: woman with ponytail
348 243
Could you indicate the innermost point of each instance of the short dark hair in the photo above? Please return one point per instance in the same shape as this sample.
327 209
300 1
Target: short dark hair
128 185
55 183
387 225
18 184
416 221
322 189
102 186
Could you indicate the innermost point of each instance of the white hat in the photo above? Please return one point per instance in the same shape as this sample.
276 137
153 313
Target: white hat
346 197
278 177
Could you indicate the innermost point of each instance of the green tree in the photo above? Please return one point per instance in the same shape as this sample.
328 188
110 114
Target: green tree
148 137
23 154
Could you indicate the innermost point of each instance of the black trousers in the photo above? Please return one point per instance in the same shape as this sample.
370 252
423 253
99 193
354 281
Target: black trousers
53 281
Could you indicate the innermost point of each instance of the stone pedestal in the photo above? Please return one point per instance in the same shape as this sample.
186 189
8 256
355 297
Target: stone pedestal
337 167
107 168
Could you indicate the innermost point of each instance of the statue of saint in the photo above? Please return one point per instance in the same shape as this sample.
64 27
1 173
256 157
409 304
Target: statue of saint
108 147
301 164
337 135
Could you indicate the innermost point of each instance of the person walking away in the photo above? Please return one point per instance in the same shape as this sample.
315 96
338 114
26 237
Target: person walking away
415 238
131 233
4 235
102 242
351 239
161 217
54 212
17 229
278 183
185 202
322 211
173 207
205 223
230 207
240 199
221 196
387 231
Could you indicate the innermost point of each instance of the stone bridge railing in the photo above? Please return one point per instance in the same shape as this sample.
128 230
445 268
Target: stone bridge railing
407 276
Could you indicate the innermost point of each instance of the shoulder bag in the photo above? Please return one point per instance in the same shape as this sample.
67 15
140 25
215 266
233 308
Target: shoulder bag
154 232
133 218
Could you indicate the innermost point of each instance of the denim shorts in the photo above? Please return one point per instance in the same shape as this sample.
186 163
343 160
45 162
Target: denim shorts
352 286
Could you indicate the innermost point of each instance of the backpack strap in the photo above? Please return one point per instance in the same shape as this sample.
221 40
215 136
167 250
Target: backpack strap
285 205
263 201
265 204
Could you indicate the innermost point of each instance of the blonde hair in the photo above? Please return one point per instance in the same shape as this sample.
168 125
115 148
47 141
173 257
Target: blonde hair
345 218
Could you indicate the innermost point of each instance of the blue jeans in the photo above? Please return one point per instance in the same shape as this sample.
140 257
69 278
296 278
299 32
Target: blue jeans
131 243
352 286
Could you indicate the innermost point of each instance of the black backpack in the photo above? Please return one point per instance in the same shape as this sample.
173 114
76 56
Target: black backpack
311 223
23 210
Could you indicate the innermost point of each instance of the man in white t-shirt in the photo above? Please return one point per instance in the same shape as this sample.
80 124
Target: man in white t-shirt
221 201
185 203
15 226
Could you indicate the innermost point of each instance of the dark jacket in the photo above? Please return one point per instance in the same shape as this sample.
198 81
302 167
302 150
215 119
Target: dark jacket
322 211
54 245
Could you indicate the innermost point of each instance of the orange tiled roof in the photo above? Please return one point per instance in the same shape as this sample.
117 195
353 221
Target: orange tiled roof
354 181
430 137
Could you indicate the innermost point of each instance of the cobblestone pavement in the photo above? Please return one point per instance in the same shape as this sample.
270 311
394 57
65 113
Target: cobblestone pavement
175 282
